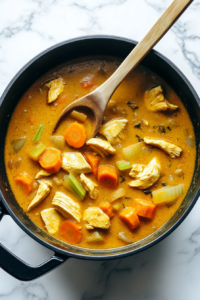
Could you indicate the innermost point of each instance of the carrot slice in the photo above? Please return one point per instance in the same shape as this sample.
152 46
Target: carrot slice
51 160
144 208
93 161
31 119
87 82
107 208
129 216
71 232
75 135
107 176
26 180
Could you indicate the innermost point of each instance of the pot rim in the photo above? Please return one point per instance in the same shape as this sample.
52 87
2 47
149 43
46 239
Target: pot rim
129 252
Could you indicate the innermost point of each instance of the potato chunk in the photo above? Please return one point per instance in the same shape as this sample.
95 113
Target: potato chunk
96 218
42 193
100 145
156 101
112 130
52 220
56 87
66 206
89 186
173 150
148 176
75 162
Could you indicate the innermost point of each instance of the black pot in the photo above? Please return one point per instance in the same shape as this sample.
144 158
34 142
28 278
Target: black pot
42 63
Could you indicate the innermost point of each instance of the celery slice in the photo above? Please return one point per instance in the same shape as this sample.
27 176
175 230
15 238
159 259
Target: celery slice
123 165
72 184
167 194
58 141
117 194
133 151
78 116
37 151
38 133
95 237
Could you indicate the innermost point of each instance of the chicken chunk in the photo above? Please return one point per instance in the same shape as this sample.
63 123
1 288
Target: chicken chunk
100 146
112 130
89 186
75 162
96 218
56 87
42 192
66 206
52 219
148 176
136 169
173 150
41 174
156 101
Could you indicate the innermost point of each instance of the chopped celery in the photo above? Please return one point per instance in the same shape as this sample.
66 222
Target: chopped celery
38 133
72 184
123 165
95 237
117 194
78 116
58 141
18 144
37 151
98 151
133 151
167 194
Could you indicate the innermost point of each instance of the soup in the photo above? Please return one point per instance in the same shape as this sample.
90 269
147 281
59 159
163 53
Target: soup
116 188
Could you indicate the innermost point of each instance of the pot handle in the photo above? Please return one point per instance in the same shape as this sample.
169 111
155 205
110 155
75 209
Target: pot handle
19 269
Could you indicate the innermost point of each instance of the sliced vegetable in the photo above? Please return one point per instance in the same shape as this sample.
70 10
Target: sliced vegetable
71 232
87 81
167 194
58 141
123 165
93 161
95 237
133 151
51 160
72 184
107 208
172 124
75 135
144 208
37 151
78 116
178 172
190 142
26 180
117 205
122 236
129 216
117 194
18 144
38 133
107 176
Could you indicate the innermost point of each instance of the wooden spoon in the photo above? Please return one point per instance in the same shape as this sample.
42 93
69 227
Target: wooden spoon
97 100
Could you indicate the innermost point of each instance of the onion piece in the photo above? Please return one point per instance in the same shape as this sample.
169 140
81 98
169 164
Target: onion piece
18 144
123 165
133 151
117 194
58 141
124 238
95 237
78 116
172 124
167 194
190 142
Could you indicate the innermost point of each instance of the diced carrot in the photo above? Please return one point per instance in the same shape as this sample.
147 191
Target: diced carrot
71 232
144 208
26 180
107 208
63 99
107 176
51 160
31 119
93 161
129 216
87 81
75 135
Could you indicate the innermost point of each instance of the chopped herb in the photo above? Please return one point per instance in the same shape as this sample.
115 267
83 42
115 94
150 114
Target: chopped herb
138 125
147 192
161 128
128 198
168 128
123 205
133 105
164 184
122 178
139 139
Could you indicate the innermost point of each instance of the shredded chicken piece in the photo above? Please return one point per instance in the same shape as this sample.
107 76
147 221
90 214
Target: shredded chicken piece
96 218
148 176
66 206
41 174
52 219
89 186
136 169
101 145
112 130
75 162
42 193
156 101
173 150
56 87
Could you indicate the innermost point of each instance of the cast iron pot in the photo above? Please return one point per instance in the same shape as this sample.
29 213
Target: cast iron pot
44 62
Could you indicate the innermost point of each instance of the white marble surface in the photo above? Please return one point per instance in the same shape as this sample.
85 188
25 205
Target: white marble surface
171 269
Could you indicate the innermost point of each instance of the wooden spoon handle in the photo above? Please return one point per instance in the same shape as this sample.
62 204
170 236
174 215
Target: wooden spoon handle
167 19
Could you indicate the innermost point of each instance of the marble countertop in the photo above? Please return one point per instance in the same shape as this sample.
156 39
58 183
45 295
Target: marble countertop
171 269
